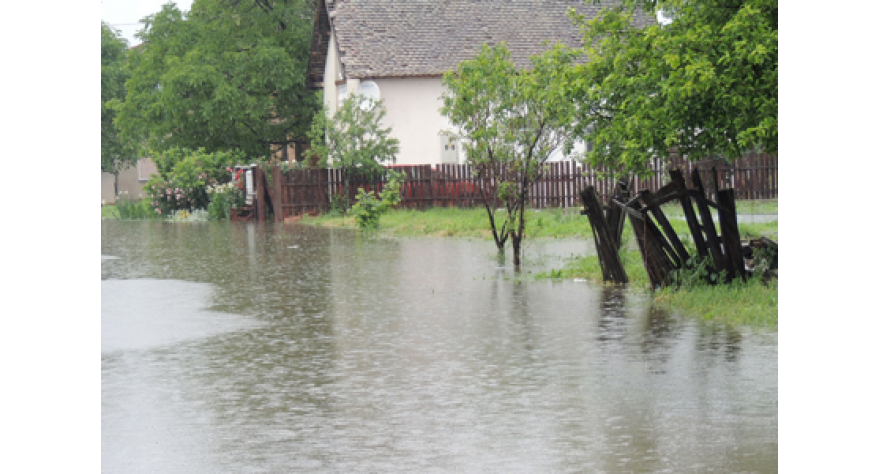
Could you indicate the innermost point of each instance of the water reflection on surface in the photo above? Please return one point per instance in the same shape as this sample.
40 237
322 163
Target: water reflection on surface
380 355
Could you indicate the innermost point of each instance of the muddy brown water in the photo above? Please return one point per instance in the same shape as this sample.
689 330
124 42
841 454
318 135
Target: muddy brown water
285 348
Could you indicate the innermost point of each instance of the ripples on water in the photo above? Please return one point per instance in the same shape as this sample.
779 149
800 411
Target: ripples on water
226 350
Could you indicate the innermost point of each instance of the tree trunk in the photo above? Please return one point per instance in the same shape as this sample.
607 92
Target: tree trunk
115 186
517 235
515 240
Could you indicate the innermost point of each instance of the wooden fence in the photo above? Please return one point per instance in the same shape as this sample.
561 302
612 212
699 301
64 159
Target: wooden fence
295 192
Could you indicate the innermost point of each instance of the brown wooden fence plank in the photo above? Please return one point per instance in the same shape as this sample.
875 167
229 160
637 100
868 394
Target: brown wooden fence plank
754 176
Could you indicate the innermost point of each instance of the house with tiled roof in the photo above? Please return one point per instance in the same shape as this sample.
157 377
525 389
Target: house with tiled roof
398 50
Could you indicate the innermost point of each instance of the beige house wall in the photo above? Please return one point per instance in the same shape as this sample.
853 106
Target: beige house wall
413 113
332 73
412 105
131 180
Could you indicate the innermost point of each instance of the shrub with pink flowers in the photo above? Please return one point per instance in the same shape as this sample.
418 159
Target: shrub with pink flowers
184 176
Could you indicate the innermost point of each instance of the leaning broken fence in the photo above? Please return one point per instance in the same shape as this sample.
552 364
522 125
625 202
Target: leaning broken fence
661 249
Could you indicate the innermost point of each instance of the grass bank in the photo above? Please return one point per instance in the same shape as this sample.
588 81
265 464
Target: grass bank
750 303
109 211
470 223
544 223
128 208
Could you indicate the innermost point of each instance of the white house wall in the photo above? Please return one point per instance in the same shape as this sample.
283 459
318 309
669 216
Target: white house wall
332 73
412 107
413 113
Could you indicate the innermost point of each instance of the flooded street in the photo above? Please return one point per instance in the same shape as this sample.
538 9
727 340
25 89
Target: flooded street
242 348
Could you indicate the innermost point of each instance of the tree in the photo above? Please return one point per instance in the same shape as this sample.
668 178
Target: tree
703 85
117 153
510 121
230 74
353 140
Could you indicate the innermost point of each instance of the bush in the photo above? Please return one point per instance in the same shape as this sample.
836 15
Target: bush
184 175
225 197
128 208
368 208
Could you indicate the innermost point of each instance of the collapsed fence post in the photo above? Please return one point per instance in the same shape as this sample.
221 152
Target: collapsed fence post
707 226
607 244
652 205
614 215
678 177
730 235
657 263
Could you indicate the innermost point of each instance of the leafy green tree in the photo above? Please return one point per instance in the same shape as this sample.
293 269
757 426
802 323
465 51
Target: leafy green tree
705 84
510 121
353 140
117 153
229 74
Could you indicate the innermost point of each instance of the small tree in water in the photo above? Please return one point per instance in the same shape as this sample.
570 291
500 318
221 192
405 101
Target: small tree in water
353 140
510 121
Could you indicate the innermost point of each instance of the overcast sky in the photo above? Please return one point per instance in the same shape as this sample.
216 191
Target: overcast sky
125 15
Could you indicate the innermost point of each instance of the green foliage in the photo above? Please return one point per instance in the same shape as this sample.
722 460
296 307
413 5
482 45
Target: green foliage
391 192
368 208
696 271
116 153
184 176
353 140
706 84
108 211
337 206
510 117
223 198
229 74
129 208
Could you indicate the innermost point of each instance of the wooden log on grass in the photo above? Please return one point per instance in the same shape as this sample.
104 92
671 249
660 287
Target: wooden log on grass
607 245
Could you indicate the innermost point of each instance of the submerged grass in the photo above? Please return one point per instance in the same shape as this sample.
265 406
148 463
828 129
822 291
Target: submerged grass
747 303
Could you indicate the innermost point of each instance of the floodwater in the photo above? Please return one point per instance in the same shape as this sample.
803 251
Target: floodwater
241 348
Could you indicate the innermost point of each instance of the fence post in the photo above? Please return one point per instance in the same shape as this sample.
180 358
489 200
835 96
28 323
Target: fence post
259 194
277 193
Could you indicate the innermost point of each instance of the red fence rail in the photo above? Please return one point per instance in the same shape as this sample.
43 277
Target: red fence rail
754 176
